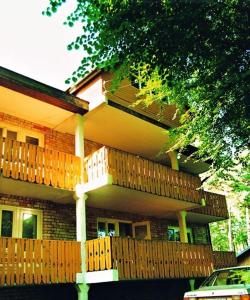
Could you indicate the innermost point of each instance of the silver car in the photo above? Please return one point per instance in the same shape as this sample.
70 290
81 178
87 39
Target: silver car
224 284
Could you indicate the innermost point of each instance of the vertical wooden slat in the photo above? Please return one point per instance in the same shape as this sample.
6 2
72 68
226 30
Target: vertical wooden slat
102 253
108 261
39 164
15 160
32 163
2 260
96 255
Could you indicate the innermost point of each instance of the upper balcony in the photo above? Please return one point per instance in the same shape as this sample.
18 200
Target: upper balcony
113 178
23 163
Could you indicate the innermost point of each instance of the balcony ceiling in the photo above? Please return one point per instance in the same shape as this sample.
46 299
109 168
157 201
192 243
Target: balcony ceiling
115 128
29 108
121 130
193 217
128 200
35 191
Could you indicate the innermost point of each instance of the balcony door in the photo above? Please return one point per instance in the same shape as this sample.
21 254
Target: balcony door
141 230
20 222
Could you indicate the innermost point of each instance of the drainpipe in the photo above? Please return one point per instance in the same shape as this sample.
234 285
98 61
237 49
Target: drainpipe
82 287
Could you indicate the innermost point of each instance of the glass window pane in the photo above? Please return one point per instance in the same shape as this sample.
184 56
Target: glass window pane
189 235
111 229
140 232
11 135
171 234
177 236
101 229
29 226
32 140
7 223
125 229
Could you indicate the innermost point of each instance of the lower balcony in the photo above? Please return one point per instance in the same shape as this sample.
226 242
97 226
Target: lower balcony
28 261
146 259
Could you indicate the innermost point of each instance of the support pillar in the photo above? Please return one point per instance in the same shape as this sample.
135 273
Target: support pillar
174 160
183 226
82 287
192 284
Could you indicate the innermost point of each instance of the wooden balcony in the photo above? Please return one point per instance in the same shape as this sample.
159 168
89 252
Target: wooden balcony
34 164
224 259
216 205
140 259
139 174
27 261
130 171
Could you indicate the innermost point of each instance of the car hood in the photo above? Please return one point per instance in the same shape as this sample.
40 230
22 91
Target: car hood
222 290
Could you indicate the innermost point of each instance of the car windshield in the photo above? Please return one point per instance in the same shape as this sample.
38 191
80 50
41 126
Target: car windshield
228 277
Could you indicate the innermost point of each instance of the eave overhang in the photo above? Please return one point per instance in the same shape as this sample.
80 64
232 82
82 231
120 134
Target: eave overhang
42 92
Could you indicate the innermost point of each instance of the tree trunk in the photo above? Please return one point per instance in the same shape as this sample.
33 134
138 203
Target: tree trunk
230 233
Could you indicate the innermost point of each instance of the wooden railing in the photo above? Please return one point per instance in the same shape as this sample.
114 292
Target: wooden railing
137 173
27 261
224 259
140 259
216 205
35 164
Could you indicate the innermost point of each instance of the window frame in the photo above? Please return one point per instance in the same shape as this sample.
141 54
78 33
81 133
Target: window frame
17 226
114 221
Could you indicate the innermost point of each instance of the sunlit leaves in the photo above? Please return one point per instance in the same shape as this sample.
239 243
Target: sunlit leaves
193 54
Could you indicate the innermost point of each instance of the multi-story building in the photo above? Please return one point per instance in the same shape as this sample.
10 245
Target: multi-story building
89 198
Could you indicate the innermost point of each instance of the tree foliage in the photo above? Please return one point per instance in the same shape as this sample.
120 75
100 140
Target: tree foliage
194 54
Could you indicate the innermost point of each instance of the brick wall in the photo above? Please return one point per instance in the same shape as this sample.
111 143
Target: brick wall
59 221
53 139
158 226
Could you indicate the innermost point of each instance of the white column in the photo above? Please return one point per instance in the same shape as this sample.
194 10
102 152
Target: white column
183 226
81 197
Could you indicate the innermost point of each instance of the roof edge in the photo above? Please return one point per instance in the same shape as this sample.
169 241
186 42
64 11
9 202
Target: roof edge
41 91
75 88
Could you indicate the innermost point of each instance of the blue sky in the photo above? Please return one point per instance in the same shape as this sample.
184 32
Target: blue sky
36 45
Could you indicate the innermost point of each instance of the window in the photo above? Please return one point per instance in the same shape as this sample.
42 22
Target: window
20 222
12 135
32 140
174 234
111 227
21 134
125 229
7 223
141 230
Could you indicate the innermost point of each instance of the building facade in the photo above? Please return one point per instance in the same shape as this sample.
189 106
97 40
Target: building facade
88 198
